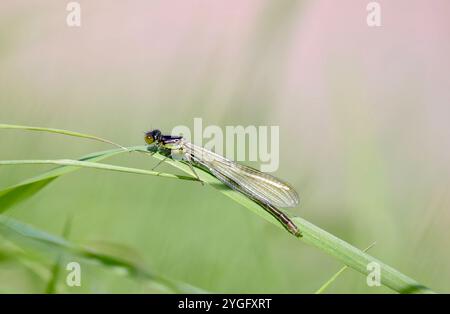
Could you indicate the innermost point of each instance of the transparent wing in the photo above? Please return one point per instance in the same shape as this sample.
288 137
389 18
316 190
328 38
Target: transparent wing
247 180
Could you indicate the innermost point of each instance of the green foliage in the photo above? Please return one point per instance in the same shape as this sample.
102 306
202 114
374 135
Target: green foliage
13 195
25 235
336 275
58 131
312 235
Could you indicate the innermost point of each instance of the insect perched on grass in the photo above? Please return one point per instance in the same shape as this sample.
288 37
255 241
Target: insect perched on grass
262 188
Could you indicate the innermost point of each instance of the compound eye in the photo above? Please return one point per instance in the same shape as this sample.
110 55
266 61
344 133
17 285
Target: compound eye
149 139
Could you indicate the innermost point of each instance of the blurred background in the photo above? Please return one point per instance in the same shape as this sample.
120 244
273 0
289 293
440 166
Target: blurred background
363 115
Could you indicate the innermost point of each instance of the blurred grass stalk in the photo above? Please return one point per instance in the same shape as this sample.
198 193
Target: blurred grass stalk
336 275
312 235
24 235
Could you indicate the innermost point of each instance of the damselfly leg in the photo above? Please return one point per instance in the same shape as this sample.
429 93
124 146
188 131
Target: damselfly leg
169 154
160 162
189 162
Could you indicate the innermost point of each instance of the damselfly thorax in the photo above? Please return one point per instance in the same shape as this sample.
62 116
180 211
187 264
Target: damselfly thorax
264 189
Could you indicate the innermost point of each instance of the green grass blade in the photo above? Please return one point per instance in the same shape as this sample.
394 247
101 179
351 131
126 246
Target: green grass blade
331 280
93 165
335 276
51 284
17 193
22 234
317 237
357 259
10 251
59 131
312 235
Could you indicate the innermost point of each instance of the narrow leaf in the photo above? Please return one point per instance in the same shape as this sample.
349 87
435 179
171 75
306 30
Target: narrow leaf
51 284
23 234
335 276
317 237
59 131
17 193
94 165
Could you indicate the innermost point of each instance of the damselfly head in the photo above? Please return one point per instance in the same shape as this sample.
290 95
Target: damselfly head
152 136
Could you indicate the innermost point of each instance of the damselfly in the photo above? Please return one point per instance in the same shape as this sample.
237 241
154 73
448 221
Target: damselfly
262 188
